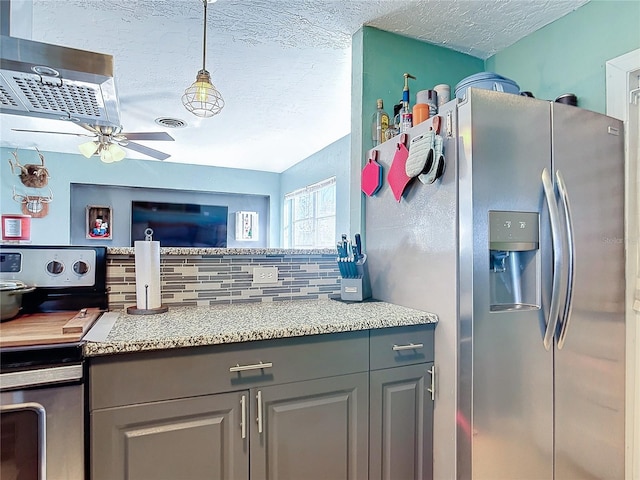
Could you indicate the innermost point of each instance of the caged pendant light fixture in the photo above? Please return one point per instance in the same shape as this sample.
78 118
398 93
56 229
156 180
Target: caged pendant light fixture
201 98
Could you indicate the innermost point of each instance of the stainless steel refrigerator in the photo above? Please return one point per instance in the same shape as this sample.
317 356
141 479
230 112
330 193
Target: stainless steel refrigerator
519 248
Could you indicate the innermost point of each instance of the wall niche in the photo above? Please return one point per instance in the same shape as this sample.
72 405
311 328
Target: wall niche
119 200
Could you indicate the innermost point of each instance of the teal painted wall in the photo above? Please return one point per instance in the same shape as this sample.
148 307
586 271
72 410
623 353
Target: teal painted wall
386 57
66 169
333 160
569 55
379 60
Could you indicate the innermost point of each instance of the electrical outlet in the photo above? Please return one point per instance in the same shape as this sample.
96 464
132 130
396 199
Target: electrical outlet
265 275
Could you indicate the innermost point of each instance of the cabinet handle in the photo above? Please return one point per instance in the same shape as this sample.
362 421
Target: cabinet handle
432 388
259 419
255 366
243 416
411 346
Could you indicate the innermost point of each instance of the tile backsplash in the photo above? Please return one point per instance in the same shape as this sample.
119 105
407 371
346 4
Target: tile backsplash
212 279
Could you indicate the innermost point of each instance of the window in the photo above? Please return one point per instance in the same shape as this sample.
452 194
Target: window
309 217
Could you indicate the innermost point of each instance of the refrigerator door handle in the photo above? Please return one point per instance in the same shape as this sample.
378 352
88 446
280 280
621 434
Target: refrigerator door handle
566 314
554 218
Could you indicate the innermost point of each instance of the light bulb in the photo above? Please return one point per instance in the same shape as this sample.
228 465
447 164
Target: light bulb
201 98
202 91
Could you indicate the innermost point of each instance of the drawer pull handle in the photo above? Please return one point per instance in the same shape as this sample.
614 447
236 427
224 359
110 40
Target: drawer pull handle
255 366
411 346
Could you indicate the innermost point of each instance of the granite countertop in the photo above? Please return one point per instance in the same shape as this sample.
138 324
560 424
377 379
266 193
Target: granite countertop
190 326
227 251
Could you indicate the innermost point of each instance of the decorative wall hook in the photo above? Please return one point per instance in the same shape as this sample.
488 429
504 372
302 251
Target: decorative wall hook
31 175
35 205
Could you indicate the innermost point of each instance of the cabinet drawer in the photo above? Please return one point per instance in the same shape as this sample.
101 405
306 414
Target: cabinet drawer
162 375
392 347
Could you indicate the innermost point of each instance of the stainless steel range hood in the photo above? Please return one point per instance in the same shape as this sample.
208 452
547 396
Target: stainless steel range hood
50 81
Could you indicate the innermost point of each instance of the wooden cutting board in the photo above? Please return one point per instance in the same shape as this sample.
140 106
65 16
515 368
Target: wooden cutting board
47 328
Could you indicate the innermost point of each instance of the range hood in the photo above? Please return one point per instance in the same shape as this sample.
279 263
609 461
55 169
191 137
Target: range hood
49 81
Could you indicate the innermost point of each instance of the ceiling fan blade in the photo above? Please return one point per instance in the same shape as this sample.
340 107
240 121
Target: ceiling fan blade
57 133
146 150
96 130
147 136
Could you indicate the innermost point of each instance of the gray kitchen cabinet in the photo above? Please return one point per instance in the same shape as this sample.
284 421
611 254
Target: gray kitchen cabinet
401 424
344 406
193 413
401 404
187 439
315 430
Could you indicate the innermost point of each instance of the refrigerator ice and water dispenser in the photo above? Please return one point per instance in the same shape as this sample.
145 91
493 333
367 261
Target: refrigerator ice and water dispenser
513 246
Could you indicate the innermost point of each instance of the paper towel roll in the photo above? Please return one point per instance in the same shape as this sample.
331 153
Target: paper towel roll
147 255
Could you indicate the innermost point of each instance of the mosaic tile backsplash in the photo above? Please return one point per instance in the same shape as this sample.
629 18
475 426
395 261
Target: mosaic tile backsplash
202 280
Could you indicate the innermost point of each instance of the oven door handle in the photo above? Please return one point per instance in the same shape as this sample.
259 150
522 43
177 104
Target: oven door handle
41 376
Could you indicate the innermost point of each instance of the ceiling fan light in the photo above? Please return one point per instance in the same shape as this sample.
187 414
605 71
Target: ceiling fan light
202 98
88 149
106 156
117 152
112 153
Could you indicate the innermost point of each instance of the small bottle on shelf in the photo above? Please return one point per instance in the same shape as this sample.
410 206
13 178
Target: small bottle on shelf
379 124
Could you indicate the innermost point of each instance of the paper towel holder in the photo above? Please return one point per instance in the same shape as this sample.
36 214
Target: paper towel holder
134 310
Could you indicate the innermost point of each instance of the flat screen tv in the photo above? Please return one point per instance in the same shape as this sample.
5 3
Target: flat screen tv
180 224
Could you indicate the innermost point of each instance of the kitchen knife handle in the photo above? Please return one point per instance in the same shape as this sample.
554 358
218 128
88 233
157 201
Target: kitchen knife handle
255 366
358 246
411 346
558 258
566 314
243 416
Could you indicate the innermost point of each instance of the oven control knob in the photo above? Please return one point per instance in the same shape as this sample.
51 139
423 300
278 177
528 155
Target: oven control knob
54 267
80 267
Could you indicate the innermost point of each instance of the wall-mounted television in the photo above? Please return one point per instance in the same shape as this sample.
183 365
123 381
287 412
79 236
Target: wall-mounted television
180 224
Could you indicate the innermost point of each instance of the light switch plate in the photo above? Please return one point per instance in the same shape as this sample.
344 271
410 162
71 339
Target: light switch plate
265 275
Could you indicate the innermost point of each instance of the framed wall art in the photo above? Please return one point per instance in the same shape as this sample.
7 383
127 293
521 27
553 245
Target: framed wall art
99 221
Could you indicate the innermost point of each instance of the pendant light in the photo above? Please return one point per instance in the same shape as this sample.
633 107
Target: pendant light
201 98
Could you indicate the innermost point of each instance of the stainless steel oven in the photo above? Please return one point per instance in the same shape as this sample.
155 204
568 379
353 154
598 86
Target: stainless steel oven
43 405
42 418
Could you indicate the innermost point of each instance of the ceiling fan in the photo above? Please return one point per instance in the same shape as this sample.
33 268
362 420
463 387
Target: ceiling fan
109 141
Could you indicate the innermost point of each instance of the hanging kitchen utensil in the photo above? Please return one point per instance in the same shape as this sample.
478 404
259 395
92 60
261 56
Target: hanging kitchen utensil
371 175
420 154
436 168
397 177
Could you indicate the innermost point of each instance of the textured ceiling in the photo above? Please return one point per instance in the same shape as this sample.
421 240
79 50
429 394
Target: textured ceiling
283 67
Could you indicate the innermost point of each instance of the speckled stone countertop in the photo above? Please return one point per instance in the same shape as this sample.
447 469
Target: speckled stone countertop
196 326
226 251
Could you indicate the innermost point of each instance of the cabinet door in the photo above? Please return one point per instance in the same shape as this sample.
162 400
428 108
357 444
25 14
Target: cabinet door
313 430
401 424
196 438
